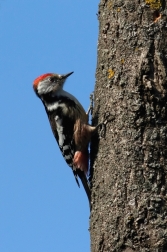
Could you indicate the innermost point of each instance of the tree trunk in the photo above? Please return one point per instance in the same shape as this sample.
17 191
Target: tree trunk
129 208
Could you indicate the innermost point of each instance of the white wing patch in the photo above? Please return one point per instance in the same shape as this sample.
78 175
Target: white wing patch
53 106
65 149
60 131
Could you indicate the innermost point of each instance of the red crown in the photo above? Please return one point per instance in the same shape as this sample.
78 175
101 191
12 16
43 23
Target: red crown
41 77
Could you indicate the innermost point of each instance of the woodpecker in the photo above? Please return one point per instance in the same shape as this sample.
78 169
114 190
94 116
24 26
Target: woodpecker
69 123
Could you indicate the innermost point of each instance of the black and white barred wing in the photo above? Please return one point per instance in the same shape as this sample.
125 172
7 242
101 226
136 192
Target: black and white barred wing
66 144
65 140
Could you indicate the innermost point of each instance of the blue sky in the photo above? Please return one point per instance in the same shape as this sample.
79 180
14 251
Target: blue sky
41 207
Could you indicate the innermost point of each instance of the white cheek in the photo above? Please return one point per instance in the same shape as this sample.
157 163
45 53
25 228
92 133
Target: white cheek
43 88
40 89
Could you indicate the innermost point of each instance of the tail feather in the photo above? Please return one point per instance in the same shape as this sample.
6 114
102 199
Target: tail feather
84 181
76 178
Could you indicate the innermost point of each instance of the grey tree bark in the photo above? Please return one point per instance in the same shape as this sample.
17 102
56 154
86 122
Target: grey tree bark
129 184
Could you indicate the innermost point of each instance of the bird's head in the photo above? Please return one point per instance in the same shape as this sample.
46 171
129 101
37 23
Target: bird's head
49 83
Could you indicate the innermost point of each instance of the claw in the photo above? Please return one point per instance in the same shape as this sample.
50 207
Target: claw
90 109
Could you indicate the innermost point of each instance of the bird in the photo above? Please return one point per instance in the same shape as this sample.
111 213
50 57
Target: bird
69 123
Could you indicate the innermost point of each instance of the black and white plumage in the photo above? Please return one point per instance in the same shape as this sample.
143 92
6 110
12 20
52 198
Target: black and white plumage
69 123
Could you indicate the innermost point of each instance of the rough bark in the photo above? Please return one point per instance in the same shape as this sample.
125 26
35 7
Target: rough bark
129 185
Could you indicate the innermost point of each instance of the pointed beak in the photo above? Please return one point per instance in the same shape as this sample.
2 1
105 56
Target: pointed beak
64 76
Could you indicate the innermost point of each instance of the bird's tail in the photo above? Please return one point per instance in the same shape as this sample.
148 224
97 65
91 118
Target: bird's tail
85 184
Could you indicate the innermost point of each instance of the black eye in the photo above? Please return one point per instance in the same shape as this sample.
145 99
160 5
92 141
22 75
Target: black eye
52 79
